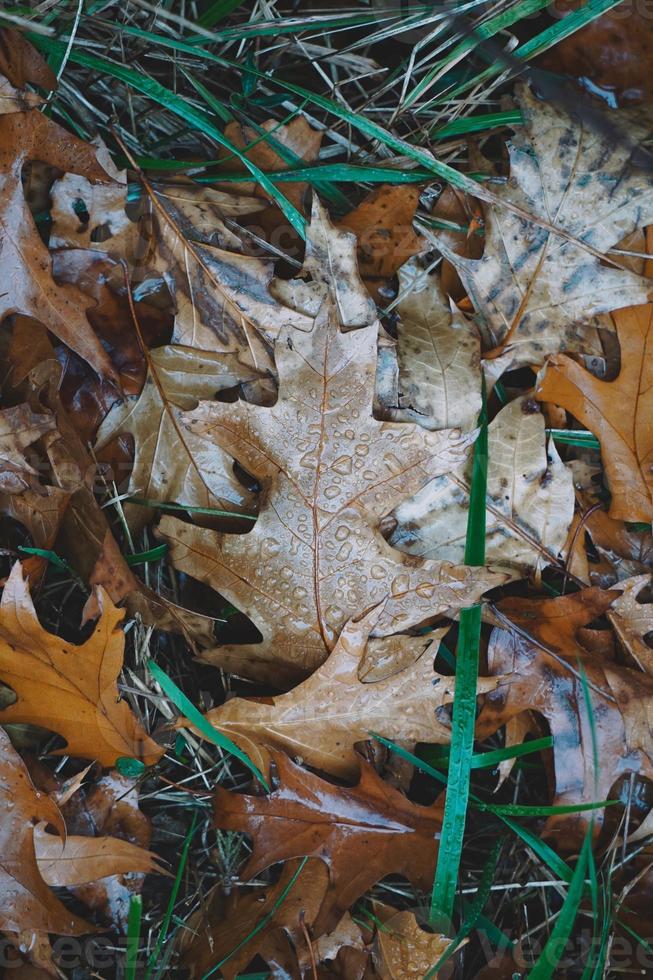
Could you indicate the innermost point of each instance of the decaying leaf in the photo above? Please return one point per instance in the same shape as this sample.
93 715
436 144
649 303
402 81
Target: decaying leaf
619 412
362 833
540 671
402 949
321 719
219 928
537 292
69 690
530 500
383 225
171 464
25 263
329 472
19 428
26 902
633 620
330 269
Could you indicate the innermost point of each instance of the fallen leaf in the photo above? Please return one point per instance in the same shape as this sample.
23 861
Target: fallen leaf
330 268
26 902
383 225
21 63
438 353
633 620
79 860
530 500
25 263
619 412
69 690
362 833
402 949
329 471
170 463
539 667
223 924
19 428
321 720
536 292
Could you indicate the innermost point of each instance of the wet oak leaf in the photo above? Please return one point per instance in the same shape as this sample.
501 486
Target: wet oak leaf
69 690
402 950
633 620
536 293
26 902
170 463
321 719
530 500
25 264
542 675
619 412
329 472
79 860
362 832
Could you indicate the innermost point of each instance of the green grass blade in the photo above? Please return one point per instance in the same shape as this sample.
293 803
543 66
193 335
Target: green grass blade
217 12
488 760
180 107
143 557
165 925
165 505
260 925
550 956
476 124
464 705
197 719
133 936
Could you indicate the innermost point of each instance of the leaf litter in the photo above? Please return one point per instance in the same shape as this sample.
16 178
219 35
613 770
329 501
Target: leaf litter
251 459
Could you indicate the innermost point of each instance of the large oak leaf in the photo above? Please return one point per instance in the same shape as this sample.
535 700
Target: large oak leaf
329 471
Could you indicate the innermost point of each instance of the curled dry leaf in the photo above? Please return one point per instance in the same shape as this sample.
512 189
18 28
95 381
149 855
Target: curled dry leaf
25 263
619 412
171 463
537 292
329 472
223 924
26 902
402 949
530 500
383 225
539 672
362 833
633 621
70 690
321 719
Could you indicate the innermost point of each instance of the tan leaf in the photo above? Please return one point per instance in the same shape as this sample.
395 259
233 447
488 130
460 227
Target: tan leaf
362 833
619 412
438 353
14 100
79 860
536 291
170 463
26 902
402 949
69 690
530 500
321 719
632 620
329 472
19 428
25 264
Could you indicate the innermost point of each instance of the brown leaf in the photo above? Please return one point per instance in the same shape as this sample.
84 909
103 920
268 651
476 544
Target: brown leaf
542 675
21 63
383 225
222 924
402 949
69 690
619 412
79 860
25 263
322 719
362 833
26 902
19 428
536 292
329 472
